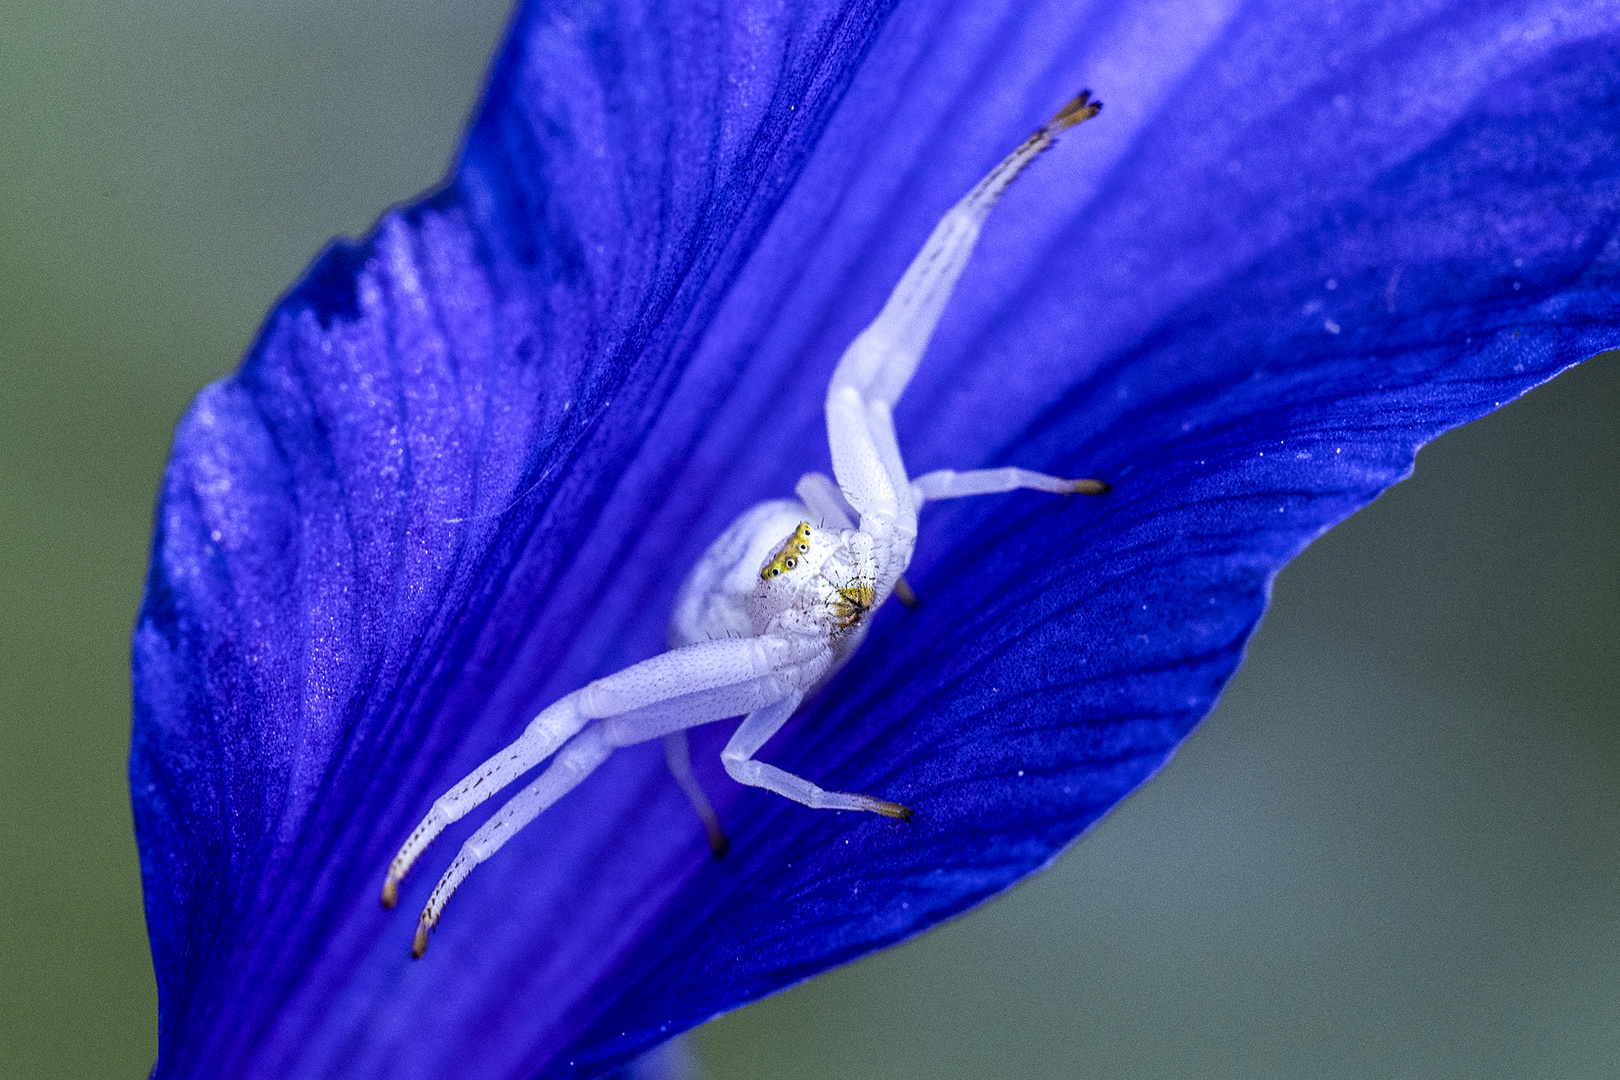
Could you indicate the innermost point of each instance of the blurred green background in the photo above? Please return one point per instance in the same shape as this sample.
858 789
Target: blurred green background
1391 852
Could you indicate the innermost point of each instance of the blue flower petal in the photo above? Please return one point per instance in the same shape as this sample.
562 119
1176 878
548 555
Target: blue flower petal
469 460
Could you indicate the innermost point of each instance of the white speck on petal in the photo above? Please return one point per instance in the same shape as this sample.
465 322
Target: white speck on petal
1330 326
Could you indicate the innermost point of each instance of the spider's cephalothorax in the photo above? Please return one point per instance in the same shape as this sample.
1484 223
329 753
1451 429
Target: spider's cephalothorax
761 622
821 583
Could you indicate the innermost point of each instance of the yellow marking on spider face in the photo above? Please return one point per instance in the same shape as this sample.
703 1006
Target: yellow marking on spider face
788 557
853 602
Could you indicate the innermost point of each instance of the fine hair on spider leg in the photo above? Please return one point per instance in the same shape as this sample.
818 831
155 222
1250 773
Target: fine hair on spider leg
781 600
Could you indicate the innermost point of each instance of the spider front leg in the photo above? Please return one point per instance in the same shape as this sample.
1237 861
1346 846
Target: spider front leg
692 685
573 763
824 499
879 363
949 484
581 757
555 725
756 730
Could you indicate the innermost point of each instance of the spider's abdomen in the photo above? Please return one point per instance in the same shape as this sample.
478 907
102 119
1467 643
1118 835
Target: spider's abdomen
717 598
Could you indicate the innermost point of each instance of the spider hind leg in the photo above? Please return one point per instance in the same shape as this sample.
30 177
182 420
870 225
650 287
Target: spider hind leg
678 756
755 731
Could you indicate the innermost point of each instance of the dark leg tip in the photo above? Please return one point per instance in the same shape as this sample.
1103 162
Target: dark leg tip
890 809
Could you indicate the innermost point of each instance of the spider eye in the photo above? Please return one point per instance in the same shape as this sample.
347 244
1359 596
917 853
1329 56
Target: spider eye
803 548
791 562
776 571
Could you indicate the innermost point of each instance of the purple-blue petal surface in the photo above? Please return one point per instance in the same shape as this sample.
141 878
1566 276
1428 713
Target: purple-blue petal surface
470 458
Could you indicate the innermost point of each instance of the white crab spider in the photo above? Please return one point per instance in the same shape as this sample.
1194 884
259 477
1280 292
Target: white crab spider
763 621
